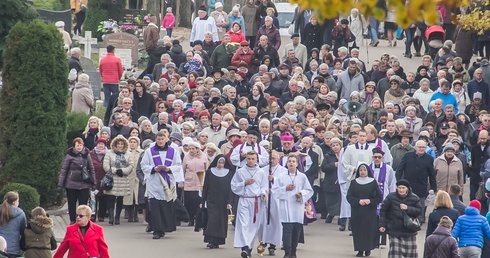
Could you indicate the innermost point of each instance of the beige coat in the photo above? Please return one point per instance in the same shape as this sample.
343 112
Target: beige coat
132 198
224 22
121 184
191 165
447 175
82 98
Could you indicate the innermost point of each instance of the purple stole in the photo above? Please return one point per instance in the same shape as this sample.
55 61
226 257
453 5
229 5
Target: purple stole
381 179
157 160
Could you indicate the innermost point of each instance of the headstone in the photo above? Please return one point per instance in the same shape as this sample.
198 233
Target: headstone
54 16
87 43
130 16
124 54
95 80
122 40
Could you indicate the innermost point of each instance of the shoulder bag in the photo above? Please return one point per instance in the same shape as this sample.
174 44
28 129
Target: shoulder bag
411 223
83 245
480 194
106 183
85 176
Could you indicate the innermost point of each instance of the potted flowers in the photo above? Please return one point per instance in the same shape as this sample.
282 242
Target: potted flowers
107 27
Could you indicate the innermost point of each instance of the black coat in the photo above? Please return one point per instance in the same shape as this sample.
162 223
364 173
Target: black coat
312 172
436 215
259 104
177 55
144 105
478 158
391 216
330 183
312 37
416 169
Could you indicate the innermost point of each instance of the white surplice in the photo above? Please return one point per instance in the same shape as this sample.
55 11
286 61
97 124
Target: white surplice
237 160
245 228
290 209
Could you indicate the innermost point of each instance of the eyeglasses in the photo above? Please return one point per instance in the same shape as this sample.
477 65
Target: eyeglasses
81 215
181 83
377 157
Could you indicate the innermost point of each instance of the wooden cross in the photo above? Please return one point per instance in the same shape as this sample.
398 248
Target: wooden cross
87 42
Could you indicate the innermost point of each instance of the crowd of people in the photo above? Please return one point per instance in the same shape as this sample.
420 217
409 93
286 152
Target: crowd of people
235 127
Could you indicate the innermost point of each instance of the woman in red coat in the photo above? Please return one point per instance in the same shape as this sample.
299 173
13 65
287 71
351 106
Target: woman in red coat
236 34
84 238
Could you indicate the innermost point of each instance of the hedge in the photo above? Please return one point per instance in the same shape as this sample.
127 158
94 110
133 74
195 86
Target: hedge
29 198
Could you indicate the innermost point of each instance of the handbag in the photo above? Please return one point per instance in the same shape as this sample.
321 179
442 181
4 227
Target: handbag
106 183
85 175
411 223
480 194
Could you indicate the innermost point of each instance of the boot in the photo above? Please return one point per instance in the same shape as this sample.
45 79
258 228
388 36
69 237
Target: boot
349 227
118 215
127 215
129 211
111 216
135 214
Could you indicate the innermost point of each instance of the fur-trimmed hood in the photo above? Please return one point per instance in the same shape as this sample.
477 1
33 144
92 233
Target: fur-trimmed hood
116 140
41 224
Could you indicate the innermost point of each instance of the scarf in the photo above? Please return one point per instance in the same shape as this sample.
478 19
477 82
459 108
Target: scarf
256 98
242 111
322 96
410 123
368 97
120 159
101 152
398 92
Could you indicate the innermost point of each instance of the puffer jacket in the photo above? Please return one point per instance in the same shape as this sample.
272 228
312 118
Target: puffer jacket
441 244
111 165
133 180
14 229
191 165
39 240
71 170
391 216
470 228
111 69
447 175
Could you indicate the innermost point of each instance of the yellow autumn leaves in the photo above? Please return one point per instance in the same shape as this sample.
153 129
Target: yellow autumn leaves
406 12
477 19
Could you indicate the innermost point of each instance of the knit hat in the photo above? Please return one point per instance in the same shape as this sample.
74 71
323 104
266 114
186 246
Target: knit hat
176 136
194 144
102 140
424 134
186 141
477 95
264 143
403 182
448 147
476 204
335 140
106 129
189 124
218 5
146 143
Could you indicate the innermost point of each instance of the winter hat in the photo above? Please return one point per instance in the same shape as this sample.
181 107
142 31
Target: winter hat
477 95
242 74
176 136
382 112
59 24
194 144
106 129
218 5
476 204
235 8
186 141
403 182
102 140
146 143
448 147
264 143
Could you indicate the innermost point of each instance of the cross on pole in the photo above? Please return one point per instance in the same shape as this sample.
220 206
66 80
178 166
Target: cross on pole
87 42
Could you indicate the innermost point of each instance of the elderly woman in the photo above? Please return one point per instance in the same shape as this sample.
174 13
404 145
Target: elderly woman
82 95
413 122
146 131
188 129
131 201
93 243
369 92
424 93
194 162
308 105
97 156
178 106
403 242
372 111
118 163
211 151
396 92
443 206
76 161
92 132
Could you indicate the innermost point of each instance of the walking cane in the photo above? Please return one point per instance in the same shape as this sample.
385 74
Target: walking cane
367 52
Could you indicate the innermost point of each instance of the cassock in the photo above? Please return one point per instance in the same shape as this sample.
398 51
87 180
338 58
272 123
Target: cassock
239 161
351 158
272 232
290 209
385 175
380 144
250 211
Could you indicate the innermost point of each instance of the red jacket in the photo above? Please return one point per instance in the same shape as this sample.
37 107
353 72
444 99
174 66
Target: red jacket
93 239
236 37
241 56
111 69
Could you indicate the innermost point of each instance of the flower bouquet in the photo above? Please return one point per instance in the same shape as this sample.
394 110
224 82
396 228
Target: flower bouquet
232 47
108 26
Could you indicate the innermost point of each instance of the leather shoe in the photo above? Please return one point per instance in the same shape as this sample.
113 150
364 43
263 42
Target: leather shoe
329 219
367 253
148 229
272 252
359 254
342 227
157 236
244 254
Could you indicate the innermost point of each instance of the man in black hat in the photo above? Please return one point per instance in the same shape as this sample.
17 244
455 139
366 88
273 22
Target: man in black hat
418 168
219 82
299 49
323 109
238 155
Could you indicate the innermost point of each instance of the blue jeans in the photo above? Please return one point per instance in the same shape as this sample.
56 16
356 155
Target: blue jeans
373 29
470 252
409 33
169 32
109 89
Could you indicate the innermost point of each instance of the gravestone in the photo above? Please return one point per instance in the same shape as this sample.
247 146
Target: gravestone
54 16
87 43
130 16
123 54
121 41
95 80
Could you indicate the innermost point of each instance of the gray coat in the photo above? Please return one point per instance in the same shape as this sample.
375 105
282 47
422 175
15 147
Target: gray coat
121 184
71 170
249 13
345 85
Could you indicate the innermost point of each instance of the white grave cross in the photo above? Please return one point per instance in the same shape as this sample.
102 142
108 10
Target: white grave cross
87 42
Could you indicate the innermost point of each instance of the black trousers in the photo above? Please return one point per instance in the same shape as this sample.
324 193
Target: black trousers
191 203
117 201
74 195
162 216
290 237
80 17
101 206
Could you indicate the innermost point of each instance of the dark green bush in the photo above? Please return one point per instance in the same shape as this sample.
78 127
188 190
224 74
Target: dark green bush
29 198
76 122
33 105
97 11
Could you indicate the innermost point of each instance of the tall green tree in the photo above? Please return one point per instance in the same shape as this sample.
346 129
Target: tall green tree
33 104
12 11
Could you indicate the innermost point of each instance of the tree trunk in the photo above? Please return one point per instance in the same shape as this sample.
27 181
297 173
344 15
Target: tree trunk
184 13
